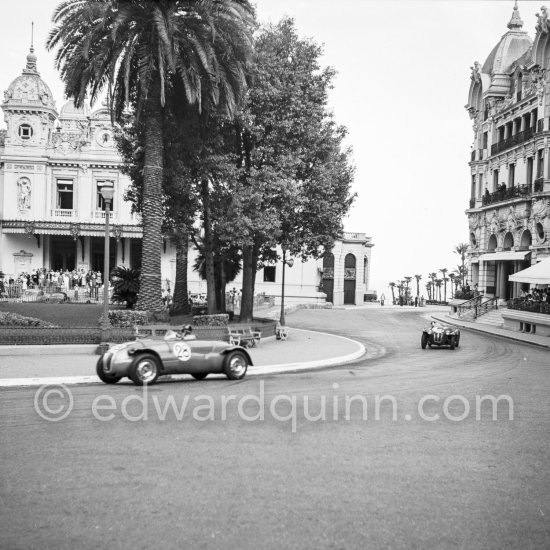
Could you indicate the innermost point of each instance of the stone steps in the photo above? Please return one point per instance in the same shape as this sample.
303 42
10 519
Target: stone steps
493 317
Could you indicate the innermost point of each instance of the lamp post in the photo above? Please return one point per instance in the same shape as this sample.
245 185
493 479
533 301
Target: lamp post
290 263
107 192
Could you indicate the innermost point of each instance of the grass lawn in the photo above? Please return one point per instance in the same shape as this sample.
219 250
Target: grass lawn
71 315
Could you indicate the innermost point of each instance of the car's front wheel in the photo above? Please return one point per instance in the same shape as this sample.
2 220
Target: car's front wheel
144 369
424 340
235 365
452 342
105 376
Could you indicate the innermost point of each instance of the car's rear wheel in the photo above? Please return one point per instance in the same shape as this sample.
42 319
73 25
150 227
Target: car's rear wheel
105 376
235 365
424 340
144 369
199 375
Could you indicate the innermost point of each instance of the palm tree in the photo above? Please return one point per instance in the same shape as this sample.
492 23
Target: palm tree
392 286
438 286
418 277
452 279
407 292
461 250
138 50
445 279
429 286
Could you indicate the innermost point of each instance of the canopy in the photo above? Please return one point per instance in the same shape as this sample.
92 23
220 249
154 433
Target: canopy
503 256
538 274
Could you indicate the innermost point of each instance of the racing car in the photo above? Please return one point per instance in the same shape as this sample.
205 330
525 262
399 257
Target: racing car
147 358
440 335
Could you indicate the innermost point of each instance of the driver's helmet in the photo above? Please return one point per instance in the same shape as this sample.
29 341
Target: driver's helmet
186 329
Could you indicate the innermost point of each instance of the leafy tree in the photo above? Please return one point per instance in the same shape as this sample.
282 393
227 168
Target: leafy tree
134 48
296 174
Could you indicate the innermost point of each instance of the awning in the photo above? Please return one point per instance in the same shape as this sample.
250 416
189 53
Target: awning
474 260
503 256
538 274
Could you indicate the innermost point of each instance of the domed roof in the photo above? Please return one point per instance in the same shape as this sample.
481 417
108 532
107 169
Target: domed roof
29 90
69 110
510 48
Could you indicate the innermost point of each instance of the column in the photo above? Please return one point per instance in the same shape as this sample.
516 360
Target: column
503 280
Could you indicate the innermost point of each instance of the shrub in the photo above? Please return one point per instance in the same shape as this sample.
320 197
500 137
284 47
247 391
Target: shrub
125 285
218 320
124 318
15 320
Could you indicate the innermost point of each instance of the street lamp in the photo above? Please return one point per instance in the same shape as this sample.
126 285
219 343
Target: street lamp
107 192
290 263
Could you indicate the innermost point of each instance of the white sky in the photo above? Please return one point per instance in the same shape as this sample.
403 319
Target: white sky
403 80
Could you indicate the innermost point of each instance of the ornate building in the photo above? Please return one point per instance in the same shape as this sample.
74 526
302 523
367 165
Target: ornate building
52 167
509 211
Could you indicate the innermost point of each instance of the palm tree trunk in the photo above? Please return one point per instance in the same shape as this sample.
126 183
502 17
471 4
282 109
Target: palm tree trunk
181 295
150 294
208 249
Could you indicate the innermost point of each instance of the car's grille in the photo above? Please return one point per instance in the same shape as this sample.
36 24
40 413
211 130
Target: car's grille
438 336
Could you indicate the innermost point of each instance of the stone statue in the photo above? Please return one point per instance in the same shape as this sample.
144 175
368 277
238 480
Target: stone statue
542 21
476 72
24 199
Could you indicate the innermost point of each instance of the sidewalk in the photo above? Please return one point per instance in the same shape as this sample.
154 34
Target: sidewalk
535 339
304 349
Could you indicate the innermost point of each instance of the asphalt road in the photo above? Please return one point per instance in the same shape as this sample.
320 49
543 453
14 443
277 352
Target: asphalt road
124 470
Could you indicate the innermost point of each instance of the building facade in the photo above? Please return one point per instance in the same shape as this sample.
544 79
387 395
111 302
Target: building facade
509 210
52 215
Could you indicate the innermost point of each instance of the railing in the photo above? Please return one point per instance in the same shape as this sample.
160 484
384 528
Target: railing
539 185
510 141
472 203
528 305
506 194
473 156
540 125
63 213
468 306
485 306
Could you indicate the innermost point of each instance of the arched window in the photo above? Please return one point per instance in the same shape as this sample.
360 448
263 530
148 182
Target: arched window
492 244
508 241
526 239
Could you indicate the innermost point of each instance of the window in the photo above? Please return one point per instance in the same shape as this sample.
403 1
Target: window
511 174
485 139
495 180
25 131
65 194
529 171
269 274
100 202
519 87
480 187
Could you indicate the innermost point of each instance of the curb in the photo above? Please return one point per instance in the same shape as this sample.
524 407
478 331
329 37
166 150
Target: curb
50 349
253 371
481 330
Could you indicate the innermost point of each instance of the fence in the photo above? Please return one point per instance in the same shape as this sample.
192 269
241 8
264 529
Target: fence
52 294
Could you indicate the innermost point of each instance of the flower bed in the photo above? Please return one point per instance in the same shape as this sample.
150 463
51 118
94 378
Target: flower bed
14 320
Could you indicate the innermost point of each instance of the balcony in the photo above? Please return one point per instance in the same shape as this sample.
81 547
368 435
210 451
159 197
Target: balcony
63 213
506 194
472 203
511 141
539 185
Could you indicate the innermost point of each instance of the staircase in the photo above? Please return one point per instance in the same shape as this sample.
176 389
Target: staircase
493 317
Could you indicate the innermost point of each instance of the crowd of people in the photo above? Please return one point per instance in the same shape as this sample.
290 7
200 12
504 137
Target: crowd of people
537 295
50 280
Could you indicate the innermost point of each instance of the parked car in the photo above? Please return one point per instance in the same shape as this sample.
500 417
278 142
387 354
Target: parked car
440 335
147 358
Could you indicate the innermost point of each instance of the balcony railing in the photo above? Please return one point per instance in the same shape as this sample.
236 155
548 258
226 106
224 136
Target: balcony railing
472 156
539 185
63 213
540 125
516 139
506 194
472 203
